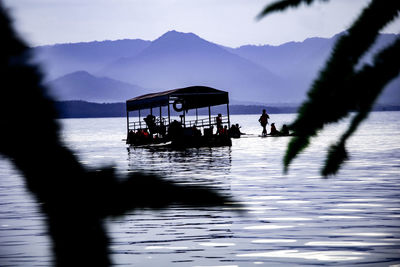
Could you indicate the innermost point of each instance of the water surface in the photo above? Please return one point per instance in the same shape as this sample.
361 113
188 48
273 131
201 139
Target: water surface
285 220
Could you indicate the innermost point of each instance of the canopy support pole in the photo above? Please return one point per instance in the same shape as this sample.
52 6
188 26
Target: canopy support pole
209 115
169 114
140 121
127 121
229 120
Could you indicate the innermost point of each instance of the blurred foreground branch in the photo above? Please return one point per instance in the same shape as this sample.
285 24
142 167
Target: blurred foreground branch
342 86
74 200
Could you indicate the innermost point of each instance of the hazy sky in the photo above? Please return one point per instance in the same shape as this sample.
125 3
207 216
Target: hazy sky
226 22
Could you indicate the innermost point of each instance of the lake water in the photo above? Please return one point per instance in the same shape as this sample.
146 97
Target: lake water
296 219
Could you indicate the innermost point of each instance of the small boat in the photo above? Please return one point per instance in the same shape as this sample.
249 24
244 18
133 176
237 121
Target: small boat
159 129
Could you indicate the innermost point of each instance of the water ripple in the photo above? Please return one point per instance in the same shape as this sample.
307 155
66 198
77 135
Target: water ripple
298 219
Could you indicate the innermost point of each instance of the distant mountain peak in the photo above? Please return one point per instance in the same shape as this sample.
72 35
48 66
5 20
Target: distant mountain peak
175 38
81 73
176 34
176 59
178 42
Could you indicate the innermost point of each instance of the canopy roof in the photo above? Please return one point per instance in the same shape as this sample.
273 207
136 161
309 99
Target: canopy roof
191 97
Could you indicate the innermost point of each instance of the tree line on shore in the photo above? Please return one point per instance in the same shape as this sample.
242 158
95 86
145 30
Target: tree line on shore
83 109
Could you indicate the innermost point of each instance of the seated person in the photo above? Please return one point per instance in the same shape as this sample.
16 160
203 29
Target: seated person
223 131
238 128
162 129
234 131
195 131
208 131
175 130
274 131
145 134
131 137
284 130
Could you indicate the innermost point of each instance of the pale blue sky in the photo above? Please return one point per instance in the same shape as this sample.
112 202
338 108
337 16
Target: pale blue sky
226 22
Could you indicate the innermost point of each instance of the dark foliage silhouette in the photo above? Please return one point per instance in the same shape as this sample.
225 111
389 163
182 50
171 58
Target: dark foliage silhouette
284 4
345 84
74 200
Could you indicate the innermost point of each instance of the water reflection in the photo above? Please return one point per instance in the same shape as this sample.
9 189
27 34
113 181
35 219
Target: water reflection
206 161
294 220
191 233
309 255
273 241
346 244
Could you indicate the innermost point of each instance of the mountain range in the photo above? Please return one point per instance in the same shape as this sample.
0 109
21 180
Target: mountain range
113 71
81 85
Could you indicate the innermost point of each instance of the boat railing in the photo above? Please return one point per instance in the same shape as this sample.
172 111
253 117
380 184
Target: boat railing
135 125
204 123
141 125
200 123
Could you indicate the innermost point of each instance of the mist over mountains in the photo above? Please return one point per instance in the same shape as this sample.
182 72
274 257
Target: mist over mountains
178 60
113 71
84 86
61 59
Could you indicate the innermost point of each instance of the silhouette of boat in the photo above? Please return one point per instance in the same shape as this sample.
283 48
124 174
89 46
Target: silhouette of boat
161 130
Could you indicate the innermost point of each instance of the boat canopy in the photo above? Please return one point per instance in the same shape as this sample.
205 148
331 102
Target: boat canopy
189 97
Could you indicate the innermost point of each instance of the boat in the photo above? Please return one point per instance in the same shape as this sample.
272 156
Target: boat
151 126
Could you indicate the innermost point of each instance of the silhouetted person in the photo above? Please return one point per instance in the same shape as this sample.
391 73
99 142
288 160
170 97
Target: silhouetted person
151 123
209 131
218 120
274 131
131 137
162 129
284 130
234 131
238 129
263 120
175 130
225 130
145 134
195 132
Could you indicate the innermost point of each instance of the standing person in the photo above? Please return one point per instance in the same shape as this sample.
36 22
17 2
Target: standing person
151 123
218 120
264 121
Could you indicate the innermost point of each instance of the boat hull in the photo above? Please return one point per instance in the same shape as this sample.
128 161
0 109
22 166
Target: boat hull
185 142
